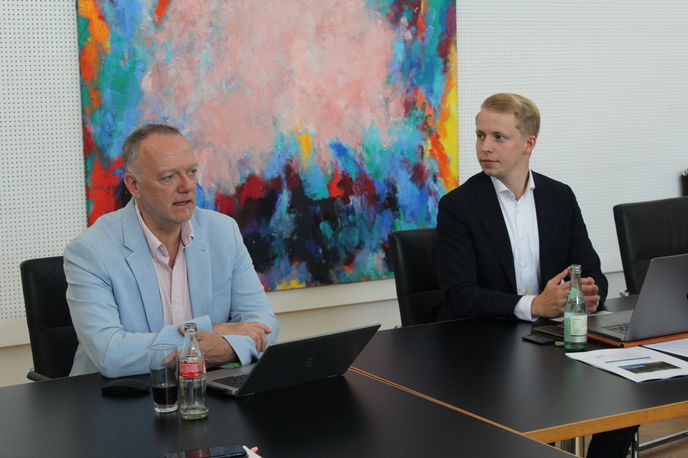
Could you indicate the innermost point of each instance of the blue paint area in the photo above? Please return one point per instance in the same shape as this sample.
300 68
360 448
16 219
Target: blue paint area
205 198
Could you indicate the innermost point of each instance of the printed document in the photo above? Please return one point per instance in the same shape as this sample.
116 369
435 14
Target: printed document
675 347
635 363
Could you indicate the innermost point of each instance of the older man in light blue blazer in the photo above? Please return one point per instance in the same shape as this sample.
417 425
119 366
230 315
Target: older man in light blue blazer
124 293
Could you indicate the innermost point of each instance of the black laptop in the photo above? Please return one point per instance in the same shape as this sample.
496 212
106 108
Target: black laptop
294 362
661 308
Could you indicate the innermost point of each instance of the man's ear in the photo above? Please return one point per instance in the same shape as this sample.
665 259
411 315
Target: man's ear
132 184
531 140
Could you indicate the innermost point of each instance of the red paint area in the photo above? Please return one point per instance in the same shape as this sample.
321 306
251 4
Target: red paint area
341 185
160 10
420 174
445 45
103 189
225 204
252 189
364 186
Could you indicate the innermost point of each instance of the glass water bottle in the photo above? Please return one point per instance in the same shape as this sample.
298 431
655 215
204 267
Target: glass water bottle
575 314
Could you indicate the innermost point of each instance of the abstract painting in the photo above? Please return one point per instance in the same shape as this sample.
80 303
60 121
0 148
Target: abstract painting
320 126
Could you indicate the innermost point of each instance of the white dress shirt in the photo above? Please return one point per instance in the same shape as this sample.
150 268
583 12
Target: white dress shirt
521 223
173 283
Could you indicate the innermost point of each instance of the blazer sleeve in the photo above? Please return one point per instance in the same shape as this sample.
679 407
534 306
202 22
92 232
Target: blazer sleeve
248 302
472 281
113 350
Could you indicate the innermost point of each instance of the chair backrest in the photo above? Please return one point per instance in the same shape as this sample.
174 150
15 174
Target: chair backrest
647 230
53 339
415 273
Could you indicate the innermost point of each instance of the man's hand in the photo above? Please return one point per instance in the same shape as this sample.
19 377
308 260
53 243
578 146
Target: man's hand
216 350
550 302
590 290
254 330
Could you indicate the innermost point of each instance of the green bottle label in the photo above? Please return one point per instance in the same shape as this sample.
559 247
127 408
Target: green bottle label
579 325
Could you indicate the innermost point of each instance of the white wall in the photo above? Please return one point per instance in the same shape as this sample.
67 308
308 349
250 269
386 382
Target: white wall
42 200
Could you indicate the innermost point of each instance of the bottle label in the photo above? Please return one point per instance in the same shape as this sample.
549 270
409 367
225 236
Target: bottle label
189 369
579 325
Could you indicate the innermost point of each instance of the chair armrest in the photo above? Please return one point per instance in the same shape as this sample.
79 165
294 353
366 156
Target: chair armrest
36 376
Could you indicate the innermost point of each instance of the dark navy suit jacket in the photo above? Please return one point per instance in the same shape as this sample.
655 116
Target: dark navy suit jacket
475 261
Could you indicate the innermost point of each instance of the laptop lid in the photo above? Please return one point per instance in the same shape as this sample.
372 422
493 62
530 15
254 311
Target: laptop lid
295 362
661 308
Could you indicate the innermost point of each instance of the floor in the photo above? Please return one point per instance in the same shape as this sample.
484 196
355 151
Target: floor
662 428
676 449
15 362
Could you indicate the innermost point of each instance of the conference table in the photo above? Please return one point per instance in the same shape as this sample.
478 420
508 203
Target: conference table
349 416
455 388
483 368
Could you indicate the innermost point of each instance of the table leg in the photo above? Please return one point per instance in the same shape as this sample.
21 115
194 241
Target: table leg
575 446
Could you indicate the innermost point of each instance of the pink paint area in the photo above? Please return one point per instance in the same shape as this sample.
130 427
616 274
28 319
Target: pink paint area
246 71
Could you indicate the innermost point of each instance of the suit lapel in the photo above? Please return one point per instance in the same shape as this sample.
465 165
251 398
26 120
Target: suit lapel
141 265
547 217
490 216
198 271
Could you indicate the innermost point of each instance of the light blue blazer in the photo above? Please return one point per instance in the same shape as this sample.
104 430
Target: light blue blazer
115 303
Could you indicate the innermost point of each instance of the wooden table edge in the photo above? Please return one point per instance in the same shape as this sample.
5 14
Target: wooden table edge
609 423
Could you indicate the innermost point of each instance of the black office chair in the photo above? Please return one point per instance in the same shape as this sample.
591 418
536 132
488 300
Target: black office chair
647 230
53 339
415 274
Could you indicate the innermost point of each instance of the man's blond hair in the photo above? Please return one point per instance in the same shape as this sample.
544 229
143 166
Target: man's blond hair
526 112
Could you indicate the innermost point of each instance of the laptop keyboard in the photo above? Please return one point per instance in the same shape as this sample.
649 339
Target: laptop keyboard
235 380
622 328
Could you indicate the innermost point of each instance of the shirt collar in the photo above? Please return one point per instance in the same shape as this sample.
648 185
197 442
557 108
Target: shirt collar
500 188
154 244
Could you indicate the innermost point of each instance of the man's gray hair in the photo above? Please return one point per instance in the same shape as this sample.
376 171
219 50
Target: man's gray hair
130 149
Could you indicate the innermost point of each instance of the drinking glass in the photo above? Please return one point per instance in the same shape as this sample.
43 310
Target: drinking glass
162 361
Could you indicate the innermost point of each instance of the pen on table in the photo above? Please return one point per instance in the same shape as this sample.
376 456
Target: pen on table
251 452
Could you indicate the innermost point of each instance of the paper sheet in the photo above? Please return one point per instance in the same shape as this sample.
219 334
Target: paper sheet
635 363
675 347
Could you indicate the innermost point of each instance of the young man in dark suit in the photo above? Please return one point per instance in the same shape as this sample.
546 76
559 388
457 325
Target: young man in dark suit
507 236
